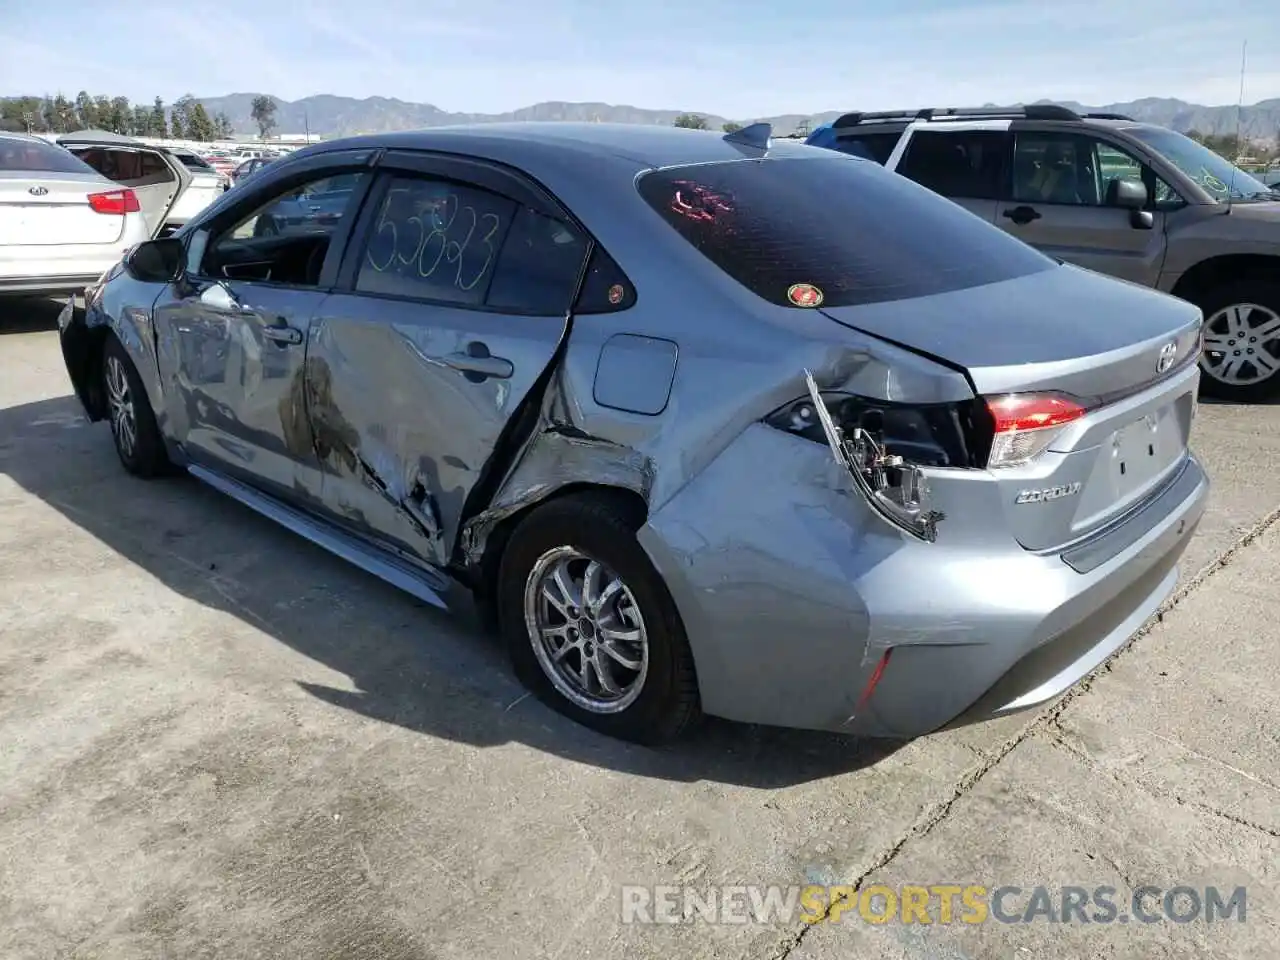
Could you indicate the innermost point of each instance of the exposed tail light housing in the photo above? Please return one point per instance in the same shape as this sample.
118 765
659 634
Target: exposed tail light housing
1025 424
114 202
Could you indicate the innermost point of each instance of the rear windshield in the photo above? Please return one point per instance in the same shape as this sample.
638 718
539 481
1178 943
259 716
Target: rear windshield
38 156
856 232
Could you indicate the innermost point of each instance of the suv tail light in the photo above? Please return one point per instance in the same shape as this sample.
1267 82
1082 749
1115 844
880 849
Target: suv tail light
116 202
1024 425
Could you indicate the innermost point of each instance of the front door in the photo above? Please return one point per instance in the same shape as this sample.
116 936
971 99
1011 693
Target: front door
233 341
458 291
1058 204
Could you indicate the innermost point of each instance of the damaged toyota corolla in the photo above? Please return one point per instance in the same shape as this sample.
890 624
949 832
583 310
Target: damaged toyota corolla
712 424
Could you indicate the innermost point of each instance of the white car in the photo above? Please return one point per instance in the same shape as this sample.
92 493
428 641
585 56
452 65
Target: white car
62 224
206 185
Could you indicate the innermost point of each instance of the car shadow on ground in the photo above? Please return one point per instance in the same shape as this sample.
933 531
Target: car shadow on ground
411 665
29 314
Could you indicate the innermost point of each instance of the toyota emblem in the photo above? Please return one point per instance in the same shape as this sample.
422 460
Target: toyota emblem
1168 353
38 191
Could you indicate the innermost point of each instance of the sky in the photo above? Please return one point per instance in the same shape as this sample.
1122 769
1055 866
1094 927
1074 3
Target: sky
732 58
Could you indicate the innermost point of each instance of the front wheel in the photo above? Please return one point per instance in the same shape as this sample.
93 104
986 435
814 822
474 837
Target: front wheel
1241 359
589 625
133 423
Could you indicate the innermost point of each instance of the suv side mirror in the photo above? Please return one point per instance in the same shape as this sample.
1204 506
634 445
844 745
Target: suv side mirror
1127 193
156 261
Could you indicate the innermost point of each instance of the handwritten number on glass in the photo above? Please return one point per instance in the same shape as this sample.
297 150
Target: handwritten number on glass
435 246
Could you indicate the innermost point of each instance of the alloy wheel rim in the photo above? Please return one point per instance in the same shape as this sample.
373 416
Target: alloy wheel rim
587 631
124 425
1242 344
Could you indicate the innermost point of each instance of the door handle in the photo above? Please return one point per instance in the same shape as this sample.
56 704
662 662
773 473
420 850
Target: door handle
283 334
477 364
1022 215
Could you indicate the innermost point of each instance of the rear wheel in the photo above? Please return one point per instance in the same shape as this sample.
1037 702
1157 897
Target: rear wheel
1241 359
133 423
589 625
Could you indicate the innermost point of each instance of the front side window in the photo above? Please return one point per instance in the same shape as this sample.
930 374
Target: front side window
1053 168
286 239
964 164
856 232
444 242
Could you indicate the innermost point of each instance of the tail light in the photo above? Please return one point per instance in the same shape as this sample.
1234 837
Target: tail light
1024 424
116 202
886 446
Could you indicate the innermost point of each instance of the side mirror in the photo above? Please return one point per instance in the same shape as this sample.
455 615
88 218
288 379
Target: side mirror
1127 193
156 261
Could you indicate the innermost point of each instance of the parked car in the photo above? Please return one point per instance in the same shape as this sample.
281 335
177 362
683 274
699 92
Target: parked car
62 224
248 168
701 419
206 184
159 178
1130 199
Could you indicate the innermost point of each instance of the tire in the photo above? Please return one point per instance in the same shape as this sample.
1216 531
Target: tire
133 423
1217 304
580 529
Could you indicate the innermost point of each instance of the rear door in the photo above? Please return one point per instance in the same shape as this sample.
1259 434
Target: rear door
1057 203
967 166
157 178
453 299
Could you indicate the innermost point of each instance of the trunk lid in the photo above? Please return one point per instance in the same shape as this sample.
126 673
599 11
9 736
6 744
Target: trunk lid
52 209
158 178
1125 352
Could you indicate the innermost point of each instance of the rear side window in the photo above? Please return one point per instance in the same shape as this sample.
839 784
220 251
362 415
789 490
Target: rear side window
37 156
852 230
872 146
961 164
444 242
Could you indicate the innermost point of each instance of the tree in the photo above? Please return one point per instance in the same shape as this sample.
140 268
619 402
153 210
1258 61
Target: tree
61 113
731 127
224 129
181 117
158 127
86 111
140 121
199 126
691 121
264 114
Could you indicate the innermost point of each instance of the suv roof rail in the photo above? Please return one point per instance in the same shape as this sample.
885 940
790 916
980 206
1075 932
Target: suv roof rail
1035 111
1107 116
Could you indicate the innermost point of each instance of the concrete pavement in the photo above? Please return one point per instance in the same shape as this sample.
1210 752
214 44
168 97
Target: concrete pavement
218 741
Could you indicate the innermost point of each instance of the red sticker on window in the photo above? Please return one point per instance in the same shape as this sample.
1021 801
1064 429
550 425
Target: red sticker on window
616 293
804 295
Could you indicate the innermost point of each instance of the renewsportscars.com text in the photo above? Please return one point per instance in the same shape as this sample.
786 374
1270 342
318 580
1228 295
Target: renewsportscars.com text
934 903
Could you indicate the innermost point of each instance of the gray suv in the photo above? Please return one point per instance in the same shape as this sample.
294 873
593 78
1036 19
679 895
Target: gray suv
1103 191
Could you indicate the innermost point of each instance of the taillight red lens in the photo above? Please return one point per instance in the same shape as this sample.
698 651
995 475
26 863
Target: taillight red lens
1033 411
1027 423
116 202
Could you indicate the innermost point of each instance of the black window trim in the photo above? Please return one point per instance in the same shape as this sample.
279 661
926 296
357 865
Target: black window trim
474 173
222 216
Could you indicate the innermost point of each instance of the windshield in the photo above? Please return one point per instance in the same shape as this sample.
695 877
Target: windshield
1219 177
38 156
834 231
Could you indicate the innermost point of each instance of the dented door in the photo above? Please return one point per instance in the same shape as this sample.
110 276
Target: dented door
460 299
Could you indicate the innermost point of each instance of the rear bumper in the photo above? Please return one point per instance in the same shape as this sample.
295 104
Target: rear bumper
792 592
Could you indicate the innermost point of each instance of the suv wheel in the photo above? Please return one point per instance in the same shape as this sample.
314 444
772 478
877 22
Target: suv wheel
1241 359
589 625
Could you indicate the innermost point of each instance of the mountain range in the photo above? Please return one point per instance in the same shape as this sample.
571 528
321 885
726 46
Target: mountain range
330 115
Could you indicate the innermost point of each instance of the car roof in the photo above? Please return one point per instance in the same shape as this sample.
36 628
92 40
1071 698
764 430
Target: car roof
641 145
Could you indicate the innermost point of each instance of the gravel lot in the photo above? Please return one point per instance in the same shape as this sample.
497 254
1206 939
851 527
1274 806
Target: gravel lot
218 741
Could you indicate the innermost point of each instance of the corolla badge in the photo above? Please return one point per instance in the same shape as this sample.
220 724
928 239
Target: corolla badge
1168 353
38 191
1049 493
